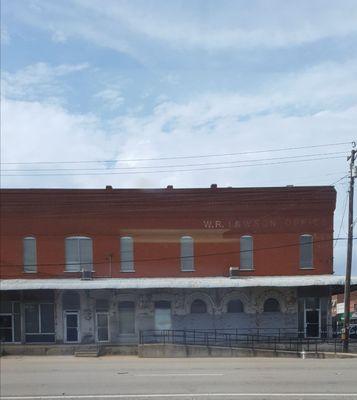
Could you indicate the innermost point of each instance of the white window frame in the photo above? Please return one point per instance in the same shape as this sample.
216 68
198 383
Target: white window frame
244 251
78 267
187 245
39 319
127 260
29 268
312 251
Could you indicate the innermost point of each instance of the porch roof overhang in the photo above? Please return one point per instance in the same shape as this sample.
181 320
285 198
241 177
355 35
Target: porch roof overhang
176 283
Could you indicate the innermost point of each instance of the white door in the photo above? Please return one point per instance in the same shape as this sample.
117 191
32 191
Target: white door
71 326
102 320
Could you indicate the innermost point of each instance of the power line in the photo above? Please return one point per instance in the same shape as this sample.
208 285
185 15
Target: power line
174 170
180 257
172 166
180 157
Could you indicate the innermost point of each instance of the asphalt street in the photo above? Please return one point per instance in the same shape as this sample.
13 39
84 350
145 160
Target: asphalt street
114 377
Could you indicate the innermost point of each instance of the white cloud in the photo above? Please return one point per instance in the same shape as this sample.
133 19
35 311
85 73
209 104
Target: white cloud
129 26
110 98
38 81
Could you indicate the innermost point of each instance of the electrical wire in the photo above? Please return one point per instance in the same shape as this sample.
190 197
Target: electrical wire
173 170
181 157
195 256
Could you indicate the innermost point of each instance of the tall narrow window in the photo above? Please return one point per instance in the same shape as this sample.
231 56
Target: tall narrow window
126 254
29 252
246 252
306 251
79 254
187 256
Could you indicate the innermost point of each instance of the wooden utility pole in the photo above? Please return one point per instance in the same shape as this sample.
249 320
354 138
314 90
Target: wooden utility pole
349 254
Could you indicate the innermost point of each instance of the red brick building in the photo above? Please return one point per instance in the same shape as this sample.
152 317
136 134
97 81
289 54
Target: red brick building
101 265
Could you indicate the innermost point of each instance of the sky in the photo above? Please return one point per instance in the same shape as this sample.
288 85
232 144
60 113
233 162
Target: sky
143 83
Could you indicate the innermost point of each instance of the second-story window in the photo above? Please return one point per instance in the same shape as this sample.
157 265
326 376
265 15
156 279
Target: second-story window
126 254
79 254
29 253
187 256
246 252
306 251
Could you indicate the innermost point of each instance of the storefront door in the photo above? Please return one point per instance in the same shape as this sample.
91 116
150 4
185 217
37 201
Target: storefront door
71 326
312 317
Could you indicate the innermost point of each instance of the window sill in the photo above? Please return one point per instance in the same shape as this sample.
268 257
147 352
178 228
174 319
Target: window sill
77 272
188 270
246 269
127 272
30 272
306 268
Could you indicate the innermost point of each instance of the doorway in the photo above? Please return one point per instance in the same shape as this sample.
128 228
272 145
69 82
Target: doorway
102 319
312 317
71 326
163 316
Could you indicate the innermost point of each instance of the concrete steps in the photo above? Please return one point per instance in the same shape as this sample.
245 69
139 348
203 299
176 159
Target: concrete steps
87 351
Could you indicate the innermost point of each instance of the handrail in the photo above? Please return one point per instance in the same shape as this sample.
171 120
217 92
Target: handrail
229 339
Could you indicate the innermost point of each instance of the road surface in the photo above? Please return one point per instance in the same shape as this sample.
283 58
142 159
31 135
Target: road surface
124 378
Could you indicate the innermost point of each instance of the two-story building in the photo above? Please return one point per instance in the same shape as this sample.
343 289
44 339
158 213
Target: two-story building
99 266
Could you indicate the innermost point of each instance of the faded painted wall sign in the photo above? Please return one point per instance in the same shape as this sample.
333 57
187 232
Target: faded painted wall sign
265 223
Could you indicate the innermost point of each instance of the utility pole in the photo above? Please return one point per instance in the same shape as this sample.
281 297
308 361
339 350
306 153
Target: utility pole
346 333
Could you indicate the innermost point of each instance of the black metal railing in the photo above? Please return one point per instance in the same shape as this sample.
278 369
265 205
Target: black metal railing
231 338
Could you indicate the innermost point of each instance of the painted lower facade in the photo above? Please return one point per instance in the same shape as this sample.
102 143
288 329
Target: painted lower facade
117 316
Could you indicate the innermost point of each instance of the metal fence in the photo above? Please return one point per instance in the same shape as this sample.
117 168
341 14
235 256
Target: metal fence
232 338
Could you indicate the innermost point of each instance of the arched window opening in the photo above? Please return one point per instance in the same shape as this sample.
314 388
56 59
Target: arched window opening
79 254
235 306
306 251
246 252
271 305
29 254
198 307
187 254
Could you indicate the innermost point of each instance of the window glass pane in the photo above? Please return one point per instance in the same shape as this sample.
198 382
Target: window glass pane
29 251
271 305
72 255
126 254
47 318
198 307
126 317
72 320
246 252
6 328
31 318
235 306
187 254
163 319
6 307
72 335
85 254
103 334
306 251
